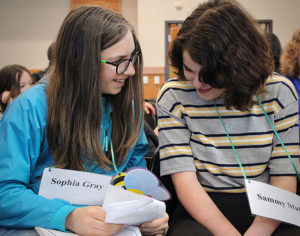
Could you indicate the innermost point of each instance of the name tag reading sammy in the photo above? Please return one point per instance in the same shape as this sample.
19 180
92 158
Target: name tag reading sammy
77 187
272 202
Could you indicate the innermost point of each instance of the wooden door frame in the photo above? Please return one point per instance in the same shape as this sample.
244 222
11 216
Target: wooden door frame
167 23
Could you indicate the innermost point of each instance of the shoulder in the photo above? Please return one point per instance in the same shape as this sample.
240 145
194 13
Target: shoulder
35 96
296 83
175 84
281 88
175 90
279 93
32 102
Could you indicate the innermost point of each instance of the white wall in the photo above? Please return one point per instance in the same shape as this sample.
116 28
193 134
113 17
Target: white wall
285 15
27 28
152 15
129 11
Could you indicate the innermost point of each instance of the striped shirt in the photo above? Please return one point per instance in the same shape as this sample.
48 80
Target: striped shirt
192 138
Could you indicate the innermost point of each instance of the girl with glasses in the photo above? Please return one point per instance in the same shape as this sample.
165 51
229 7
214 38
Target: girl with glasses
67 120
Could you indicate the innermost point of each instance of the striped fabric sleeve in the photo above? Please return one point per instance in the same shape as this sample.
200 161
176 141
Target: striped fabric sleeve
286 125
174 137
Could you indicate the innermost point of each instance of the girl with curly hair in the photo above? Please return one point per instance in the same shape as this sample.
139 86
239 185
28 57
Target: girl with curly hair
212 117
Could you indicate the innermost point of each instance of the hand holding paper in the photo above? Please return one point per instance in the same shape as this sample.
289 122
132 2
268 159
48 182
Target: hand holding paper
121 206
125 207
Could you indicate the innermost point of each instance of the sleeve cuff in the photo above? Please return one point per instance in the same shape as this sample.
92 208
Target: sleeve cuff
60 217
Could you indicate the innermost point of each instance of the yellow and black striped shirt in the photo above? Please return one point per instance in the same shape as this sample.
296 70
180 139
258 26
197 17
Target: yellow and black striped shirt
192 138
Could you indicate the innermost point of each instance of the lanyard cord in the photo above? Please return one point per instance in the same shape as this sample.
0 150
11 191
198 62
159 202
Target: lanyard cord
277 135
113 157
106 141
235 153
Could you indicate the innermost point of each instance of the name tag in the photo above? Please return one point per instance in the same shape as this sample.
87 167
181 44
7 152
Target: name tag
272 202
77 187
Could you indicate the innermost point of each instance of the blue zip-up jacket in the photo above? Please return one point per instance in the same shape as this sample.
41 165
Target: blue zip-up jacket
24 153
296 83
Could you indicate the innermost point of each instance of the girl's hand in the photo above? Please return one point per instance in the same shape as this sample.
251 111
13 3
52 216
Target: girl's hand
149 108
90 221
6 98
154 227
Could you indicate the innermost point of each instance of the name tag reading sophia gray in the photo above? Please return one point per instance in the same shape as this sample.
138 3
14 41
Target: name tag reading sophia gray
272 202
76 187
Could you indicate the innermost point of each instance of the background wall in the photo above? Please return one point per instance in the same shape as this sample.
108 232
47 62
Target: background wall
27 27
152 15
129 11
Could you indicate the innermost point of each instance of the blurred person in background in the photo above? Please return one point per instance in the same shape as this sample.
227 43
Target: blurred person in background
14 79
275 49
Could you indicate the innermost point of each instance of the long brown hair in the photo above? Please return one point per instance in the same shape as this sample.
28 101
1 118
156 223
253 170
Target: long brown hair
10 81
289 58
74 92
232 52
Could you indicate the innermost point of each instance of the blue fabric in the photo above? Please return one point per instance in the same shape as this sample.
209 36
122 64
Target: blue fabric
296 83
24 155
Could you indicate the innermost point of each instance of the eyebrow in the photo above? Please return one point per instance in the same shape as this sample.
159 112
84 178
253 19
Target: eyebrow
120 57
186 67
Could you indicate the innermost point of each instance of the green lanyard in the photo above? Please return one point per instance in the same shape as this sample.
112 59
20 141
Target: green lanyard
106 141
113 158
277 135
236 155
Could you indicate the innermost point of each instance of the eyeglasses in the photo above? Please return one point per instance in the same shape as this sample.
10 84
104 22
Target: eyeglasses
122 65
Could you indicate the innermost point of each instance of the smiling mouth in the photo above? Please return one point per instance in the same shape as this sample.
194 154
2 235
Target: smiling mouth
120 80
203 90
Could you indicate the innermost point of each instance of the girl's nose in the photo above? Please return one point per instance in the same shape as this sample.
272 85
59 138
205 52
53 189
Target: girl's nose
130 70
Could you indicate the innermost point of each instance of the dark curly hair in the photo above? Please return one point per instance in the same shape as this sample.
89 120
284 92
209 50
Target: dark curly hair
225 40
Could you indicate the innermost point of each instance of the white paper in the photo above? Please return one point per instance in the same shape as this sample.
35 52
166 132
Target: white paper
77 187
52 232
272 202
127 231
125 207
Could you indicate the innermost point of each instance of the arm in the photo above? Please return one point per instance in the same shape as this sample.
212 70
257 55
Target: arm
199 205
177 159
23 157
266 226
279 162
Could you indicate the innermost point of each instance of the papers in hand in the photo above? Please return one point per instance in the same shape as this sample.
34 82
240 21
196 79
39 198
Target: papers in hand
90 189
125 207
